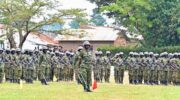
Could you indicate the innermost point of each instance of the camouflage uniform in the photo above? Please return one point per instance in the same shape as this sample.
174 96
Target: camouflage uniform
1 66
85 59
107 66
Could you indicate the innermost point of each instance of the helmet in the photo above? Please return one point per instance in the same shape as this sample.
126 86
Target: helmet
100 52
96 52
79 48
121 53
156 55
170 55
141 53
108 52
165 53
86 43
151 53
130 53
146 53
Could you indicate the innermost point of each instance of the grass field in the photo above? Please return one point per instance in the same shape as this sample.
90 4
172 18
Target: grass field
72 91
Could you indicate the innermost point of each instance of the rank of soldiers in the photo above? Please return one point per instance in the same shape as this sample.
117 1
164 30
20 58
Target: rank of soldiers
44 65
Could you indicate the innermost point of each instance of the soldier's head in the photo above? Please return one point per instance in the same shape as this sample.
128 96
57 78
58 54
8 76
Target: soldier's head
56 53
86 45
80 48
100 53
131 54
1 50
146 54
170 55
175 55
68 53
71 54
30 52
44 50
36 52
178 54
165 54
151 54
61 54
18 51
141 54
116 55
108 53
13 51
7 51
26 52
156 55
52 54
97 53
121 54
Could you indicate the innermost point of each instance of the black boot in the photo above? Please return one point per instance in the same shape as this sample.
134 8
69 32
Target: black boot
88 89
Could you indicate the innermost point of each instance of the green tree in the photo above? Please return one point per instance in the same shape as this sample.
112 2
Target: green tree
24 17
77 22
157 20
98 20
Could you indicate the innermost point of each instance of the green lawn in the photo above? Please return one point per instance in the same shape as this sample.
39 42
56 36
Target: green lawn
72 91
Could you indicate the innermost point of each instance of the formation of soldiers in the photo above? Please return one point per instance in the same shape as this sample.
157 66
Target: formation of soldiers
148 68
45 65
143 67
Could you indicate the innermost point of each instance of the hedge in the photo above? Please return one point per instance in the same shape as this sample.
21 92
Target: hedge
126 50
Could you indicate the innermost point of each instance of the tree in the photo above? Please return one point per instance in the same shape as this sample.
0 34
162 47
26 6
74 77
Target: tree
78 21
24 17
98 20
157 20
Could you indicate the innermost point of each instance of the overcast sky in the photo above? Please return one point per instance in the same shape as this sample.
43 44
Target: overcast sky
83 4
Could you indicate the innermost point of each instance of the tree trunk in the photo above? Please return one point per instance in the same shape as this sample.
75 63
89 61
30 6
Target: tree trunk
23 40
11 39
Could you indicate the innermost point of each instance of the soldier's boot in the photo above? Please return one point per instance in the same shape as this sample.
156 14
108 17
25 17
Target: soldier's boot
31 81
85 88
88 88
148 82
18 81
13 80
43 82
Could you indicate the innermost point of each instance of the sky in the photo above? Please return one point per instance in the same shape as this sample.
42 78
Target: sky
83 4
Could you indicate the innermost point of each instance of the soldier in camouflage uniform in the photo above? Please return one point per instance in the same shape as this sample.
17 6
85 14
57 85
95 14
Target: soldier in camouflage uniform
100 67
141 67
18 66
178 71
55 65
85 61
76 64
121 68
130 61
107 66
136 69
7 64
164 74
71 70
152 68
157 69
173 61
43 67
30 68
66 66
1 65
115 64
61 65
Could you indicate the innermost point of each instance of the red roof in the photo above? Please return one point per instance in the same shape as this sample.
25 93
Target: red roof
46 38
1 26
